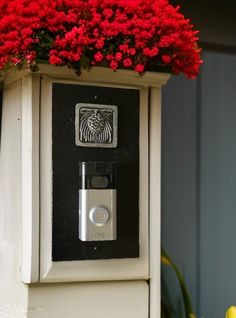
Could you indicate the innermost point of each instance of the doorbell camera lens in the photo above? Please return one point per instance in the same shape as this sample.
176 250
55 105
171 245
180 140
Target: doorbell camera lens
100 182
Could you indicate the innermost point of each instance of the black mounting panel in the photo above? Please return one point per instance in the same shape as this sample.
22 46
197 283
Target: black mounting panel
66 157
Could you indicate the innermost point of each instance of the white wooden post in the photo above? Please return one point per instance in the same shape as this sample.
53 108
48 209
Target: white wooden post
32 285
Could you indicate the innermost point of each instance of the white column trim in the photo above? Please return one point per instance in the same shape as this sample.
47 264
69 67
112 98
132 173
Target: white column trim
155 201
89 270
30 178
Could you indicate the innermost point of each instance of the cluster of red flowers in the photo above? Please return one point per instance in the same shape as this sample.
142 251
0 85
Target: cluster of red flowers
133 34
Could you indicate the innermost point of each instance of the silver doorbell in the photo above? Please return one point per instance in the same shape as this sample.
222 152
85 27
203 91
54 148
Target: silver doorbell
97 201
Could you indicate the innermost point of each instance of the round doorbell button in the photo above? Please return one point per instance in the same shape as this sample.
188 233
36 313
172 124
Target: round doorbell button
99 215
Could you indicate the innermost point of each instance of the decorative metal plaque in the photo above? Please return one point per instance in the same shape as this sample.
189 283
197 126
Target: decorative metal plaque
96 125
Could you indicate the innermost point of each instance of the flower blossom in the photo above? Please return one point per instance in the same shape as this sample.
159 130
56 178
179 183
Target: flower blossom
135 34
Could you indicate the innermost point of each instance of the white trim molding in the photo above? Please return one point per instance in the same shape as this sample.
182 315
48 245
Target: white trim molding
155 202
95 270
30 177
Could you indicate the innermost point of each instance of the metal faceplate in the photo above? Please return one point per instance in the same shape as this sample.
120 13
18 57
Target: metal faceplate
97 215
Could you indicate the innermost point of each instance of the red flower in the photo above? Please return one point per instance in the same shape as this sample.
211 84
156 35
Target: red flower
150 52
132 51
108 13
139 68
127 62
98 57
166 59
118 56
55 60
109 57
113 65
123 48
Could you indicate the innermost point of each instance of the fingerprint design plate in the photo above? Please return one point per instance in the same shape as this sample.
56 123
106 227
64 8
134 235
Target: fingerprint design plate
96 125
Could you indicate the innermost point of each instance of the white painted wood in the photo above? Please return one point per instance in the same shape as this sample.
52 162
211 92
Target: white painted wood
13 294
155 201
95 75
127 293
30 178
89 270
87 300
105 269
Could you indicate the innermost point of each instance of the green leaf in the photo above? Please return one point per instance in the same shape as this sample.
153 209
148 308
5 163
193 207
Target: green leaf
186 297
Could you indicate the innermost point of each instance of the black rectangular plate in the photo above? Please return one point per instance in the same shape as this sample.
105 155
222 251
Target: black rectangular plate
66 158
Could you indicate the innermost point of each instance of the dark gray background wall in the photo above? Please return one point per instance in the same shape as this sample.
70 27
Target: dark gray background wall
198 165
216 20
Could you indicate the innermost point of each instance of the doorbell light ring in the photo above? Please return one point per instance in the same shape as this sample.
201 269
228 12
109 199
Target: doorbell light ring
99 215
